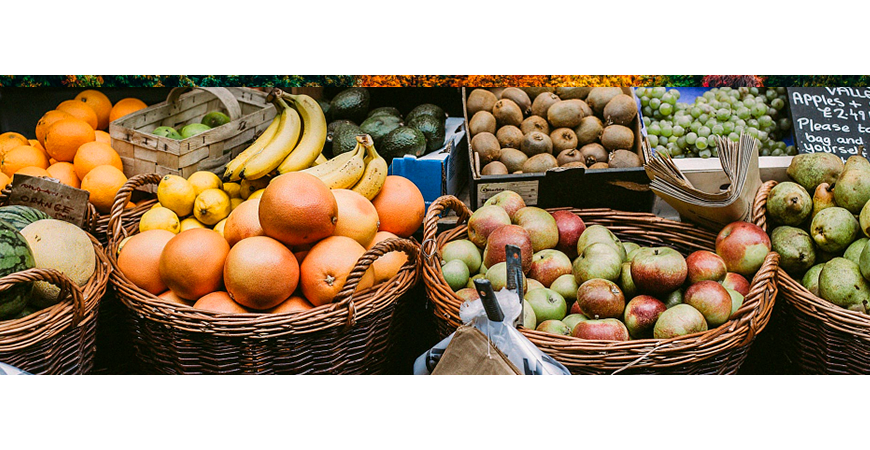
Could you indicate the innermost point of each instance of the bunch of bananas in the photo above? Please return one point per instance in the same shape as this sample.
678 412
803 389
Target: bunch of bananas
280 147
362 170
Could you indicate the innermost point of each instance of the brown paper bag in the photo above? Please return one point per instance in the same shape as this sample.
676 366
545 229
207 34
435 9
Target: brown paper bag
467 355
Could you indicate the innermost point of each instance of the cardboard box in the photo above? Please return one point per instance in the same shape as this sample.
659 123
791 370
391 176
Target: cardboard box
621 189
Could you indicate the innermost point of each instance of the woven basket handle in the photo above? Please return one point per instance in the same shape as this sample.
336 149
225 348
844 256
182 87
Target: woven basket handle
765 279
430 223
114 231
344 299
67 287
223 94
759 205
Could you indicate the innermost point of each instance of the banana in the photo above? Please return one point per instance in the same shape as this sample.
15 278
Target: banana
375 173
345 175
320 160
331 165
313 137
278 148
235 166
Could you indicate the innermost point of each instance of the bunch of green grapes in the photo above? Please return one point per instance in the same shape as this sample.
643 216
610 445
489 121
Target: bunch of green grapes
687 130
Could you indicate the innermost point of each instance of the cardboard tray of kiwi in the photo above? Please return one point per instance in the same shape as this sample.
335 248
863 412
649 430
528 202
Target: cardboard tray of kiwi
557 146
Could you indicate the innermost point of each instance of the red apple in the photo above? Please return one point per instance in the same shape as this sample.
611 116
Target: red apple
508 235
600 299
601 330
575 309
703 265
711 299
468 294
658 270
679 320
743 246
737 282
549 264
510 201
641 314
484 221
540 225
570 227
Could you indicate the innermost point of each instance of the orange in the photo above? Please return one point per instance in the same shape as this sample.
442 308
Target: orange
64 137
326 267
357 218
10 140
103 182
297 208
243 222
139 260
93 154
4 180
129 205
33 171
219 302
79 110
291 305
101 105
192 263
260 273
46 120
170 297
66 173
21 157
400 206
388 265
124 107
103 137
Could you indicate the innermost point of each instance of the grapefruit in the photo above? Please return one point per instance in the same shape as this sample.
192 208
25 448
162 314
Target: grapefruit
387 266
291 305
327 266
220 302
170 297
243 222
357 217
400 206
139 260
260 273
297 208
192 263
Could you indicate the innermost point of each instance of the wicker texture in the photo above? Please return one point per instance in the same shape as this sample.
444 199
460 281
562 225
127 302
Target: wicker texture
348 336
718 351
818 336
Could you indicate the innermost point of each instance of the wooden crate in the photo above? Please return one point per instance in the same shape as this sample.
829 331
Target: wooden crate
143 152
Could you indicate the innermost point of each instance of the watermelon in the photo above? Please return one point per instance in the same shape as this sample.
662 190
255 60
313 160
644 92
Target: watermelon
15 256
21 216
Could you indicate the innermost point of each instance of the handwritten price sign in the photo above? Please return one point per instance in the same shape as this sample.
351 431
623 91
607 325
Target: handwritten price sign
58 200
831 120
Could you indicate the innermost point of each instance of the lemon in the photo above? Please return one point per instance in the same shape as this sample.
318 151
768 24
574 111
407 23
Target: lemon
123 242
160 219
233 190
157 205
177 194
212 206
256 194
203 180
235 202
220 226
248 187
191 223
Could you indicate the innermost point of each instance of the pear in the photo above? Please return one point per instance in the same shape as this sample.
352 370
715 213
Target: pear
852 188
811 279
841 283
812 169
834 229
823 198
853 252
864 219
789 204
795 248
864 262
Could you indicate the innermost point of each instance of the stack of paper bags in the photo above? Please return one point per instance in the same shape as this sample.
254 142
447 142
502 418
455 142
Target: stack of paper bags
711 210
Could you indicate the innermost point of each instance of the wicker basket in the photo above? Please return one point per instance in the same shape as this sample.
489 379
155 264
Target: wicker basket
59 339
145 153
349 336
718 351
818 336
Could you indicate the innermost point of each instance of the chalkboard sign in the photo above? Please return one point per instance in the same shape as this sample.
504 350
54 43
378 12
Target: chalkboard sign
831 120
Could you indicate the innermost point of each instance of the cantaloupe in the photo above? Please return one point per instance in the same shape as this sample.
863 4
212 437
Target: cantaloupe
61 246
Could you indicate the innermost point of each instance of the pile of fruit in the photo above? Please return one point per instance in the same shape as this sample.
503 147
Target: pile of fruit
30 239
682 130
422 130
211 120
562 127
613 290
822 239
72 147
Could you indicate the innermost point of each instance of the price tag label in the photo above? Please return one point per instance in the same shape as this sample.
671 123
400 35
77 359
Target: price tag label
528 190
831 120
58 200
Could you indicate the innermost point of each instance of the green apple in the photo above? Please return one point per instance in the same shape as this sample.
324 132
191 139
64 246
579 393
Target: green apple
193 129
166 132
215 119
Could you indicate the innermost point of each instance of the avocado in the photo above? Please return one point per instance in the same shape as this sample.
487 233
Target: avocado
432 128
426 109
379 126
403 141
351 104
330 129
385 110
324 106
344 138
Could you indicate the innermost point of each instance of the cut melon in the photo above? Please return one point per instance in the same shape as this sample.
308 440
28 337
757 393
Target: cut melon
61 246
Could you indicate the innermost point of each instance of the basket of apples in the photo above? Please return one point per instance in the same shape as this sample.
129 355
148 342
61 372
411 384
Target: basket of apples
608 291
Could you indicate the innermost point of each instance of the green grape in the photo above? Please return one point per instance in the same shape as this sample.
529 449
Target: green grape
703 132
710 95
647 111
718 129
700 100
695 126
765 152
676 150
684 121
723 114
727 127
715 104
644 101
674 93
740 123
668 98
681 106
655 103
781 91
657 115
640 91
715 152
662 149
749 102
790 150
752 132
666 109
765 121
762 136
712 142
777 152
752 123
753 90
711 123
703 118
667 131
691 138
658 91
739 129
654 129
679 131
784 124
734 137
705 154
695 112
653 140
646 121
743 112
771 111
770 94
743 90
681 142
777 103
759 110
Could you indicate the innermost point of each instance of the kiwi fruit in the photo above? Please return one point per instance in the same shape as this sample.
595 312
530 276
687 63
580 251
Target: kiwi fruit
566 113
570 155
620 110
480 100
574 164
567 93
616 137
535 123
543 102
497 91
623 158
509 136
589 130
536 143
507 112
540 163
519 97
486 145
593 153
482 122
533 92
494 168
563 139
598 98
600 165
513 159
